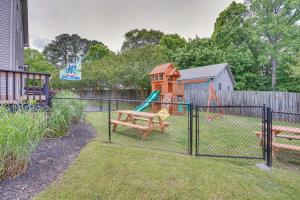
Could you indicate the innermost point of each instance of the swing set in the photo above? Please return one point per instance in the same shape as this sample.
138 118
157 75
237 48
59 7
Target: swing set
216 111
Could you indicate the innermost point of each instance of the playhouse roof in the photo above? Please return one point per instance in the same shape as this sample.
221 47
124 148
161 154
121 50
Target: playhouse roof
162 68
205 72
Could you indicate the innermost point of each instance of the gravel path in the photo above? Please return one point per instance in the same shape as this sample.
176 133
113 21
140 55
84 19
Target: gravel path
50 159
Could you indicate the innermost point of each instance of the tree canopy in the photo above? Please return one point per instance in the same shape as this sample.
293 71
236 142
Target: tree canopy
96 52
66 48
260 40
37 61
138 38
274 25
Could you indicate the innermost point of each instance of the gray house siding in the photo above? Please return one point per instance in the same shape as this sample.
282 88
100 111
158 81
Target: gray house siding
19 40
5 34
11 43
11 35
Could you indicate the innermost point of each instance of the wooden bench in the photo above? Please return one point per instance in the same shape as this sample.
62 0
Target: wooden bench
154 121
135 126
289 137
277 146
144 129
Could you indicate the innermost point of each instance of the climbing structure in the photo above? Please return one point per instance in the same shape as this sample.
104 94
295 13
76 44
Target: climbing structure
164 79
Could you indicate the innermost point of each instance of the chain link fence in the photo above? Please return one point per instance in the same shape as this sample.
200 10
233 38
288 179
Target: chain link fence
151 125
230 131
251 132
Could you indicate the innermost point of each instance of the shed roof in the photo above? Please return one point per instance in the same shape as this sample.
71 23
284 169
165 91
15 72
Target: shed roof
161 68
205 72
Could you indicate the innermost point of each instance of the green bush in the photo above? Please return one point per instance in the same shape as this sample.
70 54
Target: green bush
66 108
20 132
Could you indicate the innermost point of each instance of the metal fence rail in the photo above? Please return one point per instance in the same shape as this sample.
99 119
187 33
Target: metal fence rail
223 131
198 130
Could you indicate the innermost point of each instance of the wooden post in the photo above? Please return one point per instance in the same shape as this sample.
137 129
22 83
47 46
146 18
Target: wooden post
47 95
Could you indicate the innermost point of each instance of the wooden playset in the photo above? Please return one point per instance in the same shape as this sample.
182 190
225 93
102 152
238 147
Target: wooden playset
164 81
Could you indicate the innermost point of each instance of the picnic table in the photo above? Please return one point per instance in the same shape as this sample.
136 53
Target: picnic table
153 121
277 132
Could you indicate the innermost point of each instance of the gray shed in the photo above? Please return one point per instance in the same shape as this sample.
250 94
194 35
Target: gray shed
198 78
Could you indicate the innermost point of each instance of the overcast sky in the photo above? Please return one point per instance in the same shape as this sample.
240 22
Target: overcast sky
108 20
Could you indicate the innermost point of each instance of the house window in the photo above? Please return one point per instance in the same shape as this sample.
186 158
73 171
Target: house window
228 88
220 86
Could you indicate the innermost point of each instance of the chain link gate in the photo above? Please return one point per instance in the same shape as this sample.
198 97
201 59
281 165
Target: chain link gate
233 132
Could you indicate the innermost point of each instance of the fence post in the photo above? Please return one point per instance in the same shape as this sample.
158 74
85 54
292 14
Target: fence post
264 132
117 104
197 131
109 127
46 91
269 137
191 107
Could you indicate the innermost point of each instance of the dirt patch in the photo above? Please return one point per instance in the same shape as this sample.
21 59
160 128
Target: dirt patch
50 159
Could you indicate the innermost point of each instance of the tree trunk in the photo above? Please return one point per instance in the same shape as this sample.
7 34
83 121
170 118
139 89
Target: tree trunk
274 66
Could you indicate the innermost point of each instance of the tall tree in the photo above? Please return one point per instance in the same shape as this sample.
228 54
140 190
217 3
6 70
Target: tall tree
96 52
198 52
66 48
170 44
138 38
229 29
275 26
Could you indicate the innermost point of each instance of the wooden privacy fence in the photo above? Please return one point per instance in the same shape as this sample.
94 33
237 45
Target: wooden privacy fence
278 101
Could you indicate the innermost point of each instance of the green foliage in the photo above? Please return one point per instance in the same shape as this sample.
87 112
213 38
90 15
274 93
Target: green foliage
103 73
274 25
229 29
198 52
170 44
37 62
65 109
259 40
96 52
66 48
129 69
137 64
19 134
139 38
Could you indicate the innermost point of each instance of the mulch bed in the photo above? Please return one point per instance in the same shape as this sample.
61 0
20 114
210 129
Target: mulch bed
48 162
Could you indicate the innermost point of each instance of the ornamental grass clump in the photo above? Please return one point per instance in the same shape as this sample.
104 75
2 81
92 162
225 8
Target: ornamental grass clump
20 132
66 108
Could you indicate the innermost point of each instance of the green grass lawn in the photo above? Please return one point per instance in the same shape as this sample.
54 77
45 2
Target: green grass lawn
122 171
230 136
107 171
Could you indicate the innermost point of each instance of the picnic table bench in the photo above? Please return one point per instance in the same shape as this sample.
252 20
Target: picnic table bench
153 121
277 133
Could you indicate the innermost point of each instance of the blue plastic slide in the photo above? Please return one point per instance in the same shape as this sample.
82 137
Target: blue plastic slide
153 97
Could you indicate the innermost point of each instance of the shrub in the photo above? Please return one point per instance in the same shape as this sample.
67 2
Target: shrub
66 108
20 132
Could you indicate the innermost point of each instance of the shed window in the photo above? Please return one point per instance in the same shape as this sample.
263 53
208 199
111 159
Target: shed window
220 86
